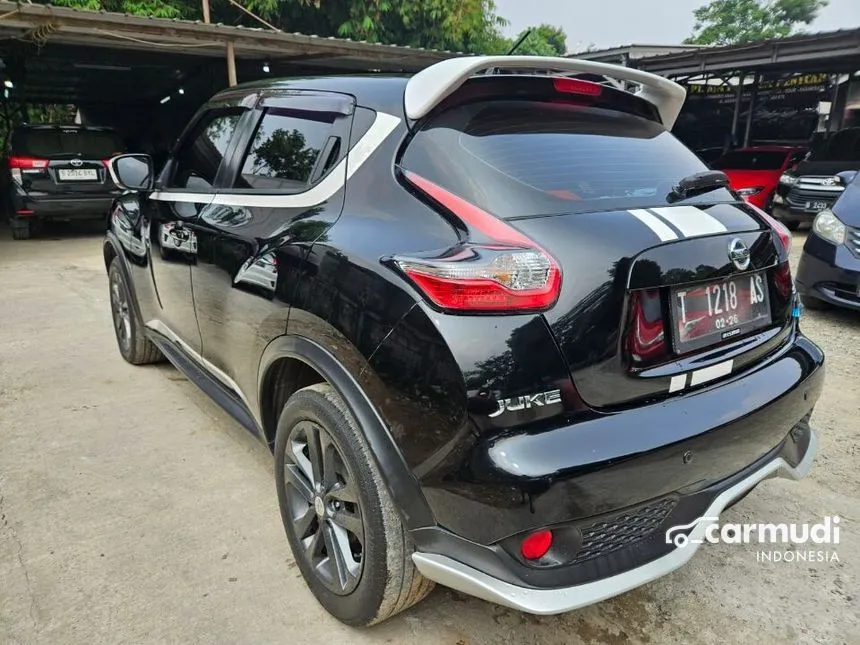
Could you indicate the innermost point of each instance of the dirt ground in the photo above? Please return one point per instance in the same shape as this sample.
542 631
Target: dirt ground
133 510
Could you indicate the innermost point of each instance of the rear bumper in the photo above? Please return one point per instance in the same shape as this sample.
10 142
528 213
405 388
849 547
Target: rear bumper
609 487
62 207
785 213
455 574
829 273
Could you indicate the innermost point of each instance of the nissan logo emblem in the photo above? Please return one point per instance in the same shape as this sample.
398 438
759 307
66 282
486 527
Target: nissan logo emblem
739 254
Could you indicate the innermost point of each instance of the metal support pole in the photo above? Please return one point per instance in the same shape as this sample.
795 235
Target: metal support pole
753 97
231 64
834 99
206 11
736 118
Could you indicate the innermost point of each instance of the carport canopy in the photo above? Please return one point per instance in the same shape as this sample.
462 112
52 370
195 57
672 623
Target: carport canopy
66 56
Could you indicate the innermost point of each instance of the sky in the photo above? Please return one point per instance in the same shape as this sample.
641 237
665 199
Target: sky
608 23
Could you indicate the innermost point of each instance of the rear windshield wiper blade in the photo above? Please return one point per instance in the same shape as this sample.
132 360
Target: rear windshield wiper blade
698 184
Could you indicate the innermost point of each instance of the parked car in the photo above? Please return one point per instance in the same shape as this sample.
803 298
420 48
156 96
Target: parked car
58 172
516 333
829 270
817 182
754 172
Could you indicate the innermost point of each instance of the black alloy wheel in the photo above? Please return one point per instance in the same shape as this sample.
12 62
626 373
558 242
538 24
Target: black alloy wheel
324 507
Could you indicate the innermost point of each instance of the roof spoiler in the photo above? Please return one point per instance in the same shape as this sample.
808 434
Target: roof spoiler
429 87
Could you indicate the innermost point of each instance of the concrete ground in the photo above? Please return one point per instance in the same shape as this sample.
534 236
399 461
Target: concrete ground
132 510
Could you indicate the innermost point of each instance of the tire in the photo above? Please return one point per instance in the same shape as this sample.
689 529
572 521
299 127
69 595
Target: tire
22 229
321 519
814 303
133 345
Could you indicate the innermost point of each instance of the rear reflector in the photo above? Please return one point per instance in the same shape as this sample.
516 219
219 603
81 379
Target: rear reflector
28 163
577 86
23 211
646 333
508 273
536 545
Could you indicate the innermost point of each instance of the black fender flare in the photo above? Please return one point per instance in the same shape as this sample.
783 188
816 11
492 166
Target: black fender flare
112 241
402 484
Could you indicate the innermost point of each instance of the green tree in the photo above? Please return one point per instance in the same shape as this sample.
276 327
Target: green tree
726 22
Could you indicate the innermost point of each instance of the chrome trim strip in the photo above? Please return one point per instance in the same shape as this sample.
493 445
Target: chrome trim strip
382 127
459 576
159 327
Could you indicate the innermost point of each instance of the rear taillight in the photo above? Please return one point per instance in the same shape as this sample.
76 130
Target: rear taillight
780 228
782 280
646 332
509 272
27 163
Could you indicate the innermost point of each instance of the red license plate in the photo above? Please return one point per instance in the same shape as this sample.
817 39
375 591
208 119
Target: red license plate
706 314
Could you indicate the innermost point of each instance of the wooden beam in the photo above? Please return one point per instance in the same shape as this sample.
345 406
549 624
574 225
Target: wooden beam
231 64
206 11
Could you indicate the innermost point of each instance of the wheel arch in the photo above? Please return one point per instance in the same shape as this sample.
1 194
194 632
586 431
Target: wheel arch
297 351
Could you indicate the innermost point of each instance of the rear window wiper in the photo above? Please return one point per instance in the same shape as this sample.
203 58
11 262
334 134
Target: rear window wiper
698 184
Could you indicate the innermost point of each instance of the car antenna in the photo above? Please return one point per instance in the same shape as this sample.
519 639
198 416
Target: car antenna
520 41
514 47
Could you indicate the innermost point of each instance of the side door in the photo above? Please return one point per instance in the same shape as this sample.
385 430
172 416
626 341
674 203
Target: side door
187 186
284 185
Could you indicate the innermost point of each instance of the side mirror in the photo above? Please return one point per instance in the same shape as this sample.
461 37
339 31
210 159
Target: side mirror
847 176
132 172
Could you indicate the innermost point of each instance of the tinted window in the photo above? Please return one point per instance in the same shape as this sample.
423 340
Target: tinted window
57 142
750 161
201 154
286 149
516 158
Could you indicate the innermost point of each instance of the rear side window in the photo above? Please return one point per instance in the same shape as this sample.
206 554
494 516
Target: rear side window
290 148
520 158
200 156
59 142
750 161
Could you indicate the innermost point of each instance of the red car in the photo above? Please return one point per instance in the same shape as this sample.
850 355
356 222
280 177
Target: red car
754 172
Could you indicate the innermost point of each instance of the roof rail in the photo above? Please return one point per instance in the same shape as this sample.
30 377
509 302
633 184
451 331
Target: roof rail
429 87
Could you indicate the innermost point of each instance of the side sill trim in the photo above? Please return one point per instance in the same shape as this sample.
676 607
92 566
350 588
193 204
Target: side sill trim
160 328
459 576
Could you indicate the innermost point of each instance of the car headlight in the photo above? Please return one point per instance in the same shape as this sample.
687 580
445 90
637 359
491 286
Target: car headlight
828 227
787 179
749 192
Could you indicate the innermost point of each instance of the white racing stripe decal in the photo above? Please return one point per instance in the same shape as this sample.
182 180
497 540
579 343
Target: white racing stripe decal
383 125
677 383
691 221
662 231
710 373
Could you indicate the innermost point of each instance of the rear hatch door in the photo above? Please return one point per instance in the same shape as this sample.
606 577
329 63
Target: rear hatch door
658 294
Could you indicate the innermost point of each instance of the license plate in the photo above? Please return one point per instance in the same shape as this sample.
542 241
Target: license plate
78 174
710 313
816 206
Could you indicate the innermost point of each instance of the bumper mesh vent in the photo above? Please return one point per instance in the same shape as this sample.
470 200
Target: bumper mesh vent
613 533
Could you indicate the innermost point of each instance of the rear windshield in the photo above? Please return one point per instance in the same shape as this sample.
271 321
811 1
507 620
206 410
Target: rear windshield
750 161
66 142
520 158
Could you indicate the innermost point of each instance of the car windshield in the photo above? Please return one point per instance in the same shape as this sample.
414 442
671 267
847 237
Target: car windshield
56 142
517 158
750 160
842 146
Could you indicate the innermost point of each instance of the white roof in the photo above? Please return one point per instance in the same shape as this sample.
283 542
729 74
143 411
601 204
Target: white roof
429 87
